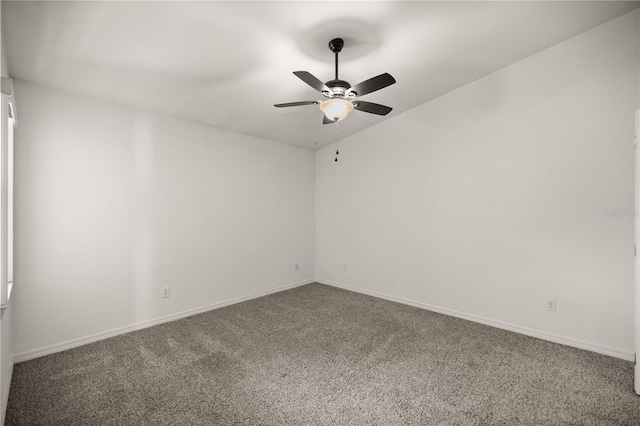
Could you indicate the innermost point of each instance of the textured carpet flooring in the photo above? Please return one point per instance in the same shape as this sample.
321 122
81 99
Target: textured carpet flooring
318 355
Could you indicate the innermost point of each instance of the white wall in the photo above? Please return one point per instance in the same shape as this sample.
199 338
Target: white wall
492 199
113 204
4 66
6 342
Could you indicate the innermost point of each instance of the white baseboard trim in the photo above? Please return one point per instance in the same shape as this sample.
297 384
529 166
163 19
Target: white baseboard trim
614 352
74 343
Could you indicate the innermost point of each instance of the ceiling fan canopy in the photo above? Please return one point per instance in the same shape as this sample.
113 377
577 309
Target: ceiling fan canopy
340 96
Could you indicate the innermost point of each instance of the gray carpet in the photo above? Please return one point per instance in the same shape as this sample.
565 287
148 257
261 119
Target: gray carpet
317 355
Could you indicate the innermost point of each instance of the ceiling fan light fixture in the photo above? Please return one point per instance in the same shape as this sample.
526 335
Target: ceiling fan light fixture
336 109
342 97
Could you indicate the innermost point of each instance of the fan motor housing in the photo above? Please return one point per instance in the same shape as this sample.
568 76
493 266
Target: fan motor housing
338 87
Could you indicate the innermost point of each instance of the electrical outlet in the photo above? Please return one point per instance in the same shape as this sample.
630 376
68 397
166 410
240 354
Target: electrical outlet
166 292
296 267
551 305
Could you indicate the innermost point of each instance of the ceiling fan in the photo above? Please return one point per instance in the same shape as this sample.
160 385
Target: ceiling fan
342 97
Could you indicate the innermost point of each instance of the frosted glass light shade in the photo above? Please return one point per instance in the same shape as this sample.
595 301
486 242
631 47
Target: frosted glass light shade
336 109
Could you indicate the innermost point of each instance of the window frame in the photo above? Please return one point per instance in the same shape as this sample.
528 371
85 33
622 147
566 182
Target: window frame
8 121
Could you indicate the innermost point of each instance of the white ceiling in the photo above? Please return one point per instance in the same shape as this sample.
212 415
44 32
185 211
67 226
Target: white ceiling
226 63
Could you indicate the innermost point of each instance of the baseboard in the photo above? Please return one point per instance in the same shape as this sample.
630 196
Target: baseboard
605 350
74 343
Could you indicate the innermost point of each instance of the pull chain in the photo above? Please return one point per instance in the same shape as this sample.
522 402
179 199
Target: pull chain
337 151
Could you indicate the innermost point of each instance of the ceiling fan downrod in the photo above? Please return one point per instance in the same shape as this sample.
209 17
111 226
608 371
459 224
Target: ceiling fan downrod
336 46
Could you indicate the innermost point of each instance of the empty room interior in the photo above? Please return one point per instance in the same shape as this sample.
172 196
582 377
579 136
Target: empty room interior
319 212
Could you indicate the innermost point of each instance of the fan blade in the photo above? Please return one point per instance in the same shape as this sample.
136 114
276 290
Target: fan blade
325 120
372 108
312 81
375 83
290 104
